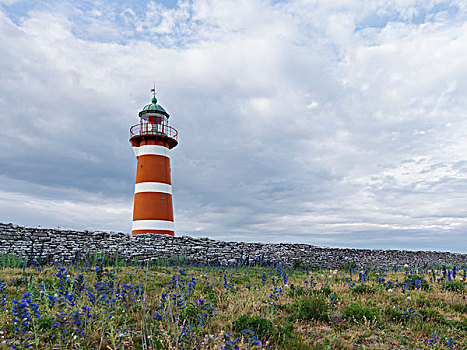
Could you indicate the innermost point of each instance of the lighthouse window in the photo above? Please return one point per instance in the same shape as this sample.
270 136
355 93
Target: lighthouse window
162 197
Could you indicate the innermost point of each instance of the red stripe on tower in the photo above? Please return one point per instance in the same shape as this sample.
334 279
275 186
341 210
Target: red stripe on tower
151 140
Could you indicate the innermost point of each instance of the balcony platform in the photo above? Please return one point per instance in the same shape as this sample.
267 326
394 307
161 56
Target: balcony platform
157 131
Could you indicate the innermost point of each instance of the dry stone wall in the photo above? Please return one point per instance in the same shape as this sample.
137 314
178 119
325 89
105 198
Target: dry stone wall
61 245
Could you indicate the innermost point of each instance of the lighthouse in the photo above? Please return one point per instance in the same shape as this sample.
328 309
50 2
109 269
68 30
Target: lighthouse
151 140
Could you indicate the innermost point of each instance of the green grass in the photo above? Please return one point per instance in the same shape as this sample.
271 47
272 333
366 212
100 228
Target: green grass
106 303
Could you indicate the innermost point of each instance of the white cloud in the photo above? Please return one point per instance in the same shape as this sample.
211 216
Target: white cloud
10 2
337 123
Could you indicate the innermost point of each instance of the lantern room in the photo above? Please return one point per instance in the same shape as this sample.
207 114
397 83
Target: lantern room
154 113
154 123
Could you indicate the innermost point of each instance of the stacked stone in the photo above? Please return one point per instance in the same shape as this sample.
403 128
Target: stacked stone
60 245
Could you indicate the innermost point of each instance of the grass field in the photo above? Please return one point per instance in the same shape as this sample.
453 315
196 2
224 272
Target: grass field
101 304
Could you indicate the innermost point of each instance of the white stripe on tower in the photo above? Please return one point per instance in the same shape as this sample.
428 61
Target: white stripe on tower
153 225
151 149
153 187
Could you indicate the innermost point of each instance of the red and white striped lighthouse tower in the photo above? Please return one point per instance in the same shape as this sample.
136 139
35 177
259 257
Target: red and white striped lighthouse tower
151 140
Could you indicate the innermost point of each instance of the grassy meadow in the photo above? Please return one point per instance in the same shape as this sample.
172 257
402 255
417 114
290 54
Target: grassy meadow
103 303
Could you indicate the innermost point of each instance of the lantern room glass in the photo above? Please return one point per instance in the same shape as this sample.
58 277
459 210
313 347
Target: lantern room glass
154 118
154 124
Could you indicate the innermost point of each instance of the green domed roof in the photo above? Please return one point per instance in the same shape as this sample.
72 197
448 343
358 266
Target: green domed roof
153 107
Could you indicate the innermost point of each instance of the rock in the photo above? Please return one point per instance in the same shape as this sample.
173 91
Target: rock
63 245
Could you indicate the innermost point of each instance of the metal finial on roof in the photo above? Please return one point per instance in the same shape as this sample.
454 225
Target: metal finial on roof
154 99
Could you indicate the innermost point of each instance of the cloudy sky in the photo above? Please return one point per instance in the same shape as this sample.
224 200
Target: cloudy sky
334 123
